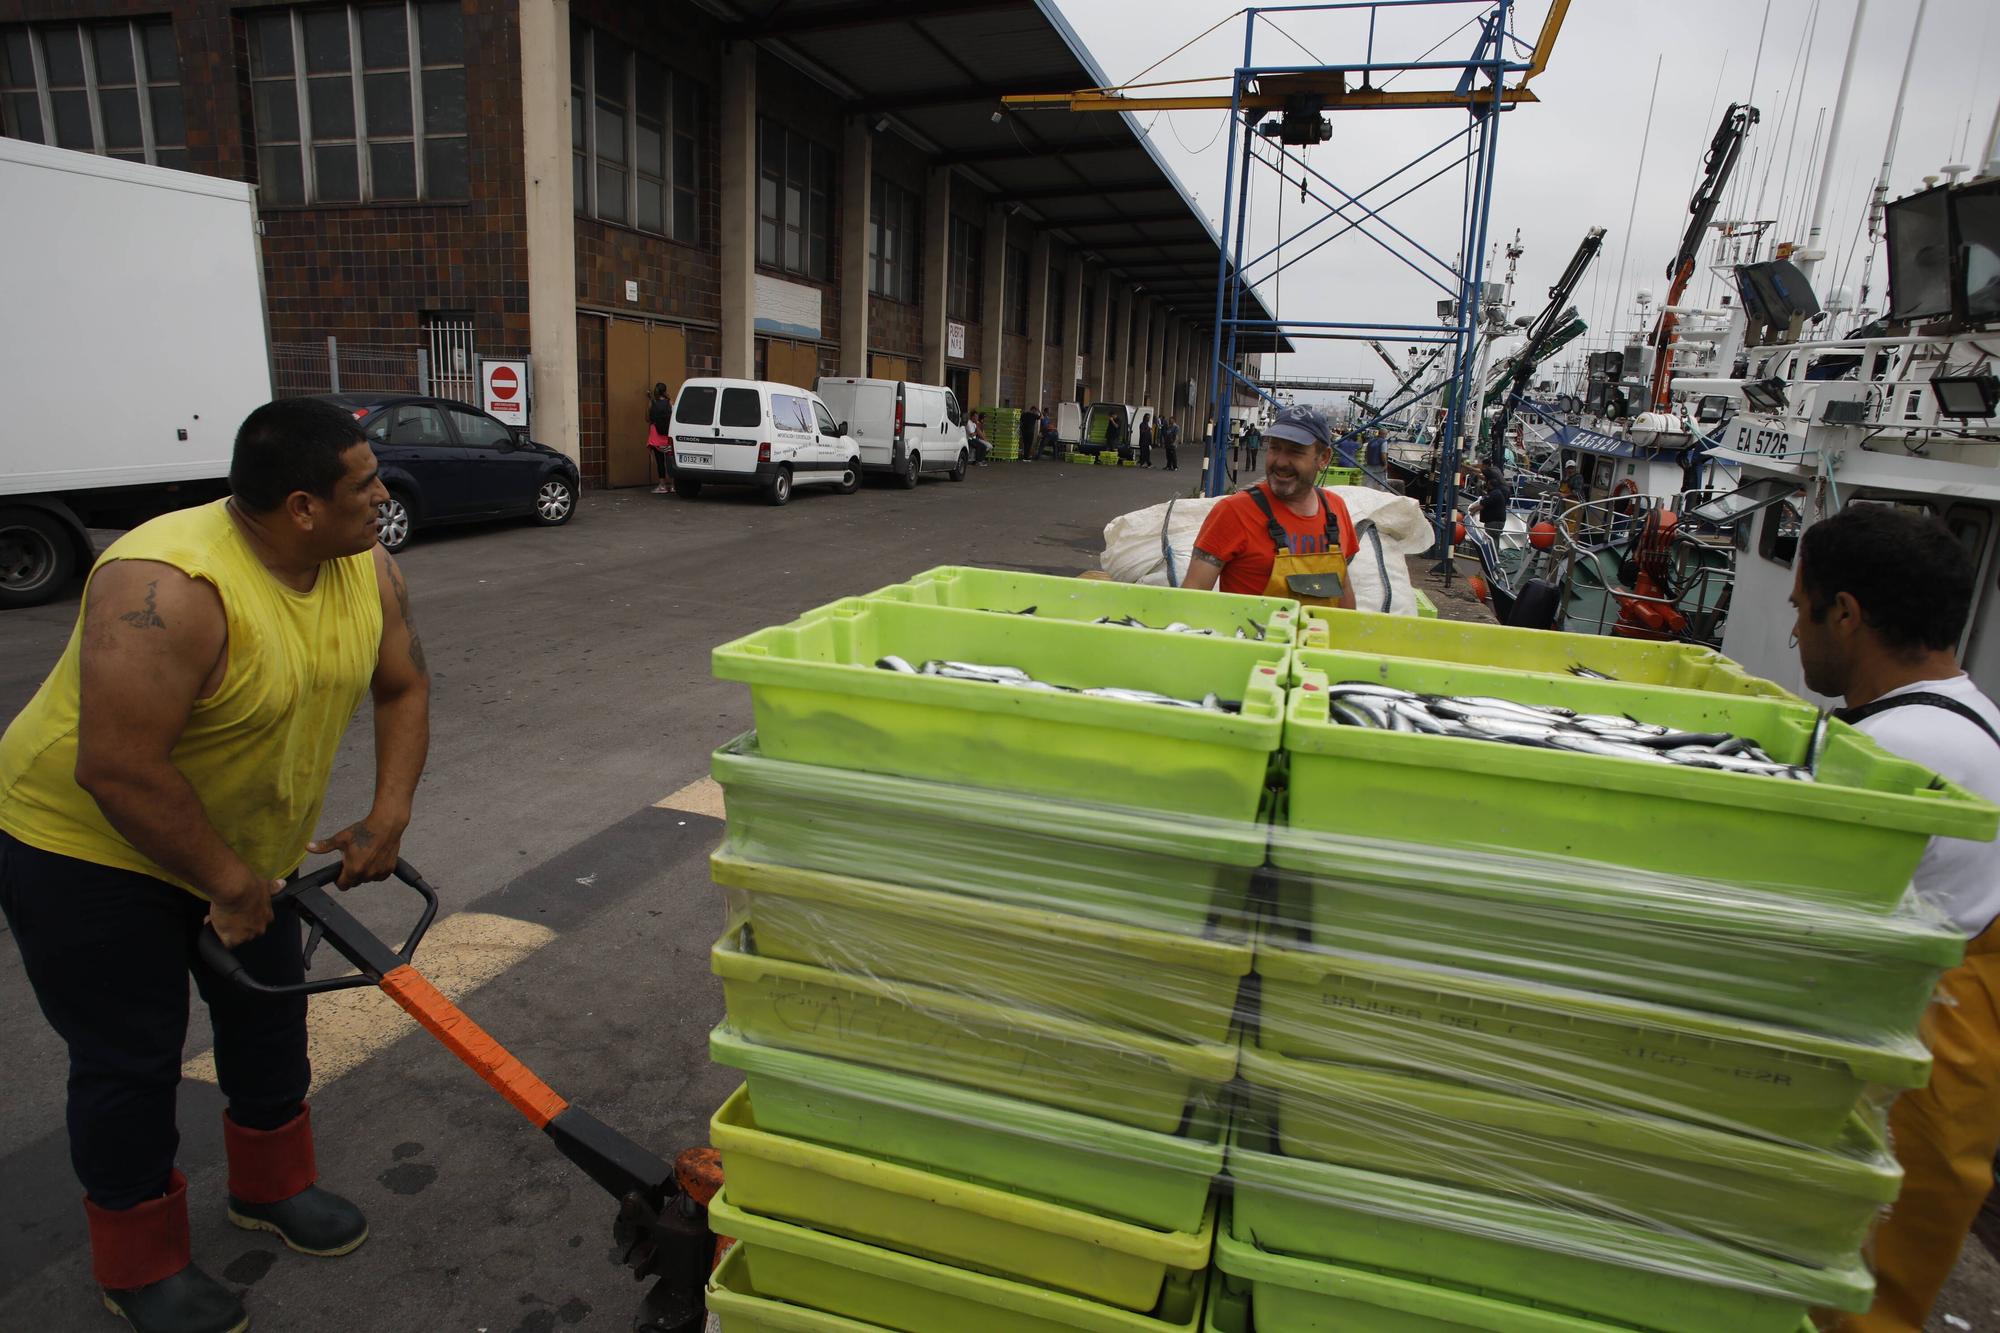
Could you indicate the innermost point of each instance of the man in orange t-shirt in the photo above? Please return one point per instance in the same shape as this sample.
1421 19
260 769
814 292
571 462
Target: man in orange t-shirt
1284 537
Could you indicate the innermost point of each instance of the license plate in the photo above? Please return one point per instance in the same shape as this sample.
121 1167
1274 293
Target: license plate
686 457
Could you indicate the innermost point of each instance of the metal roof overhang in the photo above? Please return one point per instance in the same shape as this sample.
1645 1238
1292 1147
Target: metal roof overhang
936 70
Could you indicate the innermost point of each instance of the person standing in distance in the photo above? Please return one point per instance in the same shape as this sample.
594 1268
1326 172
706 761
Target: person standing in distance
164 780
1882 598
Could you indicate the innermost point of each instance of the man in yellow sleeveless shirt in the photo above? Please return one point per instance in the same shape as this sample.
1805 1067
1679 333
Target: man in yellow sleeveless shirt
169 773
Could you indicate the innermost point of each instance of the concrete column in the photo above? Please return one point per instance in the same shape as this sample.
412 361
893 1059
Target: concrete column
1036 388
993 306
1066 377
737 226
1156 375
1141 351
551 221
936 269
857 201
1098 386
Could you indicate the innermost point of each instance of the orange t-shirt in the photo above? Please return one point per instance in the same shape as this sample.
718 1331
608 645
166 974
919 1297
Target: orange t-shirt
1238 535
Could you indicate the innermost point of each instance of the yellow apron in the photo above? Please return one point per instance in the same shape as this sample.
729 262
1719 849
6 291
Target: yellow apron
1945 1136
1318 579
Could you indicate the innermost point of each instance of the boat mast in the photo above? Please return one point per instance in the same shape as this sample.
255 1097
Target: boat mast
1810 256
1877 201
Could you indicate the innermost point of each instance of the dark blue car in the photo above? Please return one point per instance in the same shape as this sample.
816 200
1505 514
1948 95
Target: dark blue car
449 462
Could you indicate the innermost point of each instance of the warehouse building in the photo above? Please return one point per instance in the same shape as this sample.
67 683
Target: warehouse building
633 193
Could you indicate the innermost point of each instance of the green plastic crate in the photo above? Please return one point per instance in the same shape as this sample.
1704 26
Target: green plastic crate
821 1272
1173 985
1519 1251
1292 1295
739 1307
1343 476
1057 598
1818 967
1681 666
1854 836
1129 866
980 1227
1156 1180
1426 608
1811 1205
1119 1075
1523 1036
1087 460
819 698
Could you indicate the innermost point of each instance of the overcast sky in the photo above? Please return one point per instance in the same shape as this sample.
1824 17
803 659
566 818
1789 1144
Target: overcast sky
1572 161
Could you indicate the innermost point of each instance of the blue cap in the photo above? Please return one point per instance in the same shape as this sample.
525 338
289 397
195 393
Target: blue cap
1301 424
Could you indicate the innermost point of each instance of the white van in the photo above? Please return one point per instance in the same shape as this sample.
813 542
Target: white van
903 429
757 433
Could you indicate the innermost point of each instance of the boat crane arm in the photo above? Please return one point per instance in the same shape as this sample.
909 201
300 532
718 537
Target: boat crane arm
1538 343
1723 151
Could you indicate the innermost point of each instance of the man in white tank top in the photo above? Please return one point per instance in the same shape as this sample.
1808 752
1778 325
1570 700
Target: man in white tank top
1882 597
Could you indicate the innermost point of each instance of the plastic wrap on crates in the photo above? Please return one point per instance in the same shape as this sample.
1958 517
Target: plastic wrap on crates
1693 1069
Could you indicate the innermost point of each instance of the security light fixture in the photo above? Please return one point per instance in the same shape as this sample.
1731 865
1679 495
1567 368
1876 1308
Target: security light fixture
881 124
1966 395
1766 395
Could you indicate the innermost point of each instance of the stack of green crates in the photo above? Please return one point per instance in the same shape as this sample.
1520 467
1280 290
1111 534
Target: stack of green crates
1003 429
1087 460
1567 1037
1069 1012
984 958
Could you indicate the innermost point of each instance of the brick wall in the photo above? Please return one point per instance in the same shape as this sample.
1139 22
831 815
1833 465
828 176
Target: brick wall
363 273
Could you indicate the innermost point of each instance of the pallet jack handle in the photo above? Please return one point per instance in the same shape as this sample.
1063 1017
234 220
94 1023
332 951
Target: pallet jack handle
662 1229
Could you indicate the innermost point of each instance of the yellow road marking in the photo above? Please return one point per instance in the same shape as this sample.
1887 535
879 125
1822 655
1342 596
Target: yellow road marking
462 952
700 797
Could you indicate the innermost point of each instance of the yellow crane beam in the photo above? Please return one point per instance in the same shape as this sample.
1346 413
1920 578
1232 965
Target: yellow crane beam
1270 94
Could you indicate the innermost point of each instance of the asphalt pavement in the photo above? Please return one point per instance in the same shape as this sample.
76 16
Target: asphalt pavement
571 697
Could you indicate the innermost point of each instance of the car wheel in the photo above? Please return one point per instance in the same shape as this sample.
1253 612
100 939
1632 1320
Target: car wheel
395 525
957 472
850 480
555 501
36 557
912 465
780 490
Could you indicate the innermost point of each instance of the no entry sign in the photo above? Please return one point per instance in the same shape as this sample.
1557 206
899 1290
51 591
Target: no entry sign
503 390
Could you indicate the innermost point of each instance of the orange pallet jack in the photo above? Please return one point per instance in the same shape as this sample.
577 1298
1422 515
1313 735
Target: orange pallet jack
662 1224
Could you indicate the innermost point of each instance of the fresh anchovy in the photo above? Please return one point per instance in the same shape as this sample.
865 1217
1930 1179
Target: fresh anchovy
894 663
1612 723
938 668
1362 689
1414 717
1729 763
1256 630
1481 701
1679 740
1584 743
1579 669
1362 710
1469 709
1136 696
1510 728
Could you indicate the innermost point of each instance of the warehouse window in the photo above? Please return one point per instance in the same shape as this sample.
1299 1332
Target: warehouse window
967 250
1058 304
794 201
110 88
634 125
1015 280
360 102
892 243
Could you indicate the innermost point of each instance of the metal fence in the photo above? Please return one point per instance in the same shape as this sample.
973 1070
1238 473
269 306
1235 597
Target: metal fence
332 366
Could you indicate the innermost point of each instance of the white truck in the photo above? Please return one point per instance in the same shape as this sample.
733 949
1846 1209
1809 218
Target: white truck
132 344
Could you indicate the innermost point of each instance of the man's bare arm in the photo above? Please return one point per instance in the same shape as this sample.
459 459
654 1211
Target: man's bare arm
1203 570
402 692
152 639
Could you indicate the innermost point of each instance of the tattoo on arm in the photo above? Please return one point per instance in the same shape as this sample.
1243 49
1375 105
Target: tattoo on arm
1208 559
146 617
409 621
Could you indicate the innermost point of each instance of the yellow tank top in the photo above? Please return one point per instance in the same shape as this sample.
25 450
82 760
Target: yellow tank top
260 749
